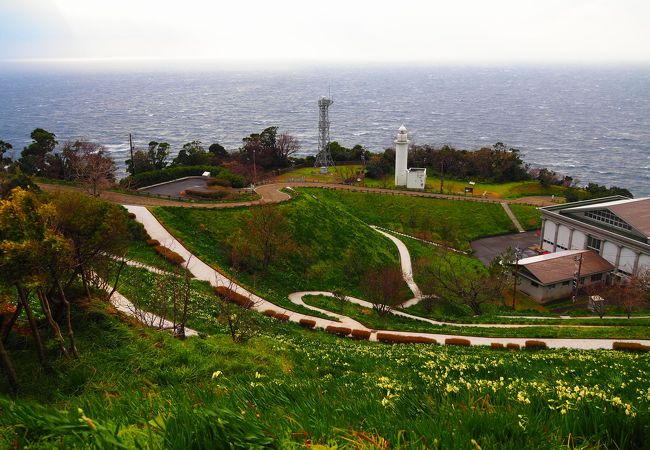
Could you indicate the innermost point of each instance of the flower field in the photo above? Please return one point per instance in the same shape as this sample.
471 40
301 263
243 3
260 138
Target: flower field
296 388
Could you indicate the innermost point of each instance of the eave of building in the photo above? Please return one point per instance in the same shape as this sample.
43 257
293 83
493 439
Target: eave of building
596 230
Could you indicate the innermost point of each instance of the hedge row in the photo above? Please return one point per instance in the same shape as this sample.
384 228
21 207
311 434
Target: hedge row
400 339
169 255
458 341
307 323
535 345
153 242
231 296
340 331
630 347
173 173
211 195
361 334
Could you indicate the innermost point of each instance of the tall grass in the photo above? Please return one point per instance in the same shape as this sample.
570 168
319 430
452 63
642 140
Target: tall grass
136 388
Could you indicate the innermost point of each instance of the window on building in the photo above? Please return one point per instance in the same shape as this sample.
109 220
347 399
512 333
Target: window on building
566 283
609 218
534 284
596 277
594 244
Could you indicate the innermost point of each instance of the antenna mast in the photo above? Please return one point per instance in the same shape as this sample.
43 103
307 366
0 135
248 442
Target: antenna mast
131 148
324 157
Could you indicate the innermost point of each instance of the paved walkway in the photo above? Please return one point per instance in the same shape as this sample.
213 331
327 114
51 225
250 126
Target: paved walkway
203 271
123 304
512 217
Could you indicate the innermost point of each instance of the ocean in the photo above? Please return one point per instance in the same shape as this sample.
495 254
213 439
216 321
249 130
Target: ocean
592 123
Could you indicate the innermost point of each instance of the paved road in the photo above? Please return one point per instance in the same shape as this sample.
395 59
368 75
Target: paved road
174 189
486 249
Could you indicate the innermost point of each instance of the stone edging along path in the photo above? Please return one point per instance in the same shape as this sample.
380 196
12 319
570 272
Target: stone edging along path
204 272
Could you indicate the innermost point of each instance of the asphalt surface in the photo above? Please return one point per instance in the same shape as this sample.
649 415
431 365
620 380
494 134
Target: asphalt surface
174 189
487 248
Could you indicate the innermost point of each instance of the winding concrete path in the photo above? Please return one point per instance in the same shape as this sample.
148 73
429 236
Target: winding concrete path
203 271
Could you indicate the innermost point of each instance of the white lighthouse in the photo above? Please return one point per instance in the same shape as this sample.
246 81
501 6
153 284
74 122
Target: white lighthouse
401 157
414 178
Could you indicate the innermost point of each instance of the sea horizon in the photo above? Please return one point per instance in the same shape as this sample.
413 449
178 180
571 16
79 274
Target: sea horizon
591 122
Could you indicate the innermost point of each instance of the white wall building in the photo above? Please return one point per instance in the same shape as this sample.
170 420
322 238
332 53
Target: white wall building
616 228
414 178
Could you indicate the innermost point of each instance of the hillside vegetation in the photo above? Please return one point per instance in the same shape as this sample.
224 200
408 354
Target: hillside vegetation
321 247
454 221
290 388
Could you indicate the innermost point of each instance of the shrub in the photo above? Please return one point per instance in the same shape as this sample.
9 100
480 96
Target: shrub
340 331
361 334
269 313
400 339
458 341
172 173
212 195
131 215
307 323
511 346
630 347
535 345
282 317
153 242
497 345
219 182
169 255
231 296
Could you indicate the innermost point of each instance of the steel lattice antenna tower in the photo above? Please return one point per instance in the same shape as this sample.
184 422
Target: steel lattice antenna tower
324 157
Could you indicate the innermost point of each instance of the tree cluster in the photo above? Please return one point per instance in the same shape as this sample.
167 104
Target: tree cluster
80 160
497 164
594 190
47 247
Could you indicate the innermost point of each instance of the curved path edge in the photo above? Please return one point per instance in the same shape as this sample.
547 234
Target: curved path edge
204 272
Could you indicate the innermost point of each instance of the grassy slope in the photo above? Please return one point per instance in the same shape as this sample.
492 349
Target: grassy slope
333 247
289 387
515 189
637 329
414 215
529 216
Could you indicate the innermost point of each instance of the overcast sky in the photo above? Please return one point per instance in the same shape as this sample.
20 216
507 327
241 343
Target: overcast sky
343 31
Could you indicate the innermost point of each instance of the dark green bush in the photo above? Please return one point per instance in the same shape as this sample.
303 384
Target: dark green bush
173 173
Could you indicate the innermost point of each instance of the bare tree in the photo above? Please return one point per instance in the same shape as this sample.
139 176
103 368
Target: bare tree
236 312
90 164
163 303
452 277
266 237
286 145
382 287
630 295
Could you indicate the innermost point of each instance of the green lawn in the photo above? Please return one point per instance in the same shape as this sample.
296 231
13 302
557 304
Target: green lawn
529 216
330 249
510 190
434 219
633 330
292 388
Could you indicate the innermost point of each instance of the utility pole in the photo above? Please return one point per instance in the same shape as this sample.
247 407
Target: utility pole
131 147
254 169
514 288
442 174
576 277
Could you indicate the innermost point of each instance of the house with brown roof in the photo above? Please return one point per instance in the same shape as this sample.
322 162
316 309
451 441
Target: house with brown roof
551 276
616 228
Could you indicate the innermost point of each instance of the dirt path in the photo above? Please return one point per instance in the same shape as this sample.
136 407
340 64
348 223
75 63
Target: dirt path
271 193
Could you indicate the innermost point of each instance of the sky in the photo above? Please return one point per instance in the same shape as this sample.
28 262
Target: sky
351 32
